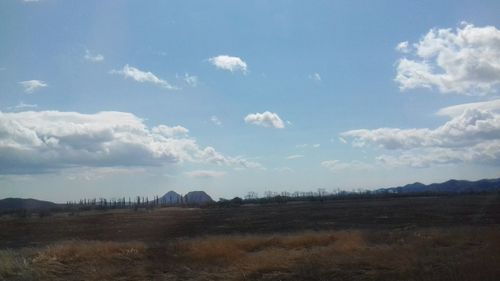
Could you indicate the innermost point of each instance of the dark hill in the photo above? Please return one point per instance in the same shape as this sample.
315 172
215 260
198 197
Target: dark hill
197 197
10 204
171 198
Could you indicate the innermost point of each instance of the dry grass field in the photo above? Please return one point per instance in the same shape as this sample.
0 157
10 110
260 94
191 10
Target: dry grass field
438 238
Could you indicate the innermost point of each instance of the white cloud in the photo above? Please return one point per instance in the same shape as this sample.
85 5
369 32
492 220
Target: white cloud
21 106
32 85
93 57
342 140
191 80
265 119
96 173
284 169
464 61
170 131
456 110
230 63
305 145
205 174
239 162
215 120
471 127
403 47
486 152
471 135
143 77
337 165
315 76
295 156
45 141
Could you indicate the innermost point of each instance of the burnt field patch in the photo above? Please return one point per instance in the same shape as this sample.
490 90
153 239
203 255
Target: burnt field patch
163 224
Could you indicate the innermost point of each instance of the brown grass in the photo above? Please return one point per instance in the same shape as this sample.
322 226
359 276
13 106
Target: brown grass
429 254
458 254
75 260
14 266
229 249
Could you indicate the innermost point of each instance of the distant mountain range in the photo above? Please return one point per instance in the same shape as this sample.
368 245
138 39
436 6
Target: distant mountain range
201 197
451 186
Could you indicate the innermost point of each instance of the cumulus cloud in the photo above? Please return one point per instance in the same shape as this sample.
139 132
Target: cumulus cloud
170 131
93 57
463 61
205 174
471 135
32 85
265 119
45 141
230 63
143 77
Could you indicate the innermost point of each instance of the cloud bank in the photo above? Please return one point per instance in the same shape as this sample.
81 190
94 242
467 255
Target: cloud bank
471 135
46 141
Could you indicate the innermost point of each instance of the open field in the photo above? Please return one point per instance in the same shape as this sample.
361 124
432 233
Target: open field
421 238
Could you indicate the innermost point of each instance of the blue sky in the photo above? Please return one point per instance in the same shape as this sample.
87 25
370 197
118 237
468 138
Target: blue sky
107 98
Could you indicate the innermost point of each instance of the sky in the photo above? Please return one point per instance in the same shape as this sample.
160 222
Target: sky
124 98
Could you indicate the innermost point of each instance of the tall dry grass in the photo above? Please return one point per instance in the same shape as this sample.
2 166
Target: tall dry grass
429 254
449 254
252 257
73 260
14 265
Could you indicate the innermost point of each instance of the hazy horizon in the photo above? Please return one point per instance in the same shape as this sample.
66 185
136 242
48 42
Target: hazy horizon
112 99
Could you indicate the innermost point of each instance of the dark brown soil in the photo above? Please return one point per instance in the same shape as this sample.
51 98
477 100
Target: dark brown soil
162 225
